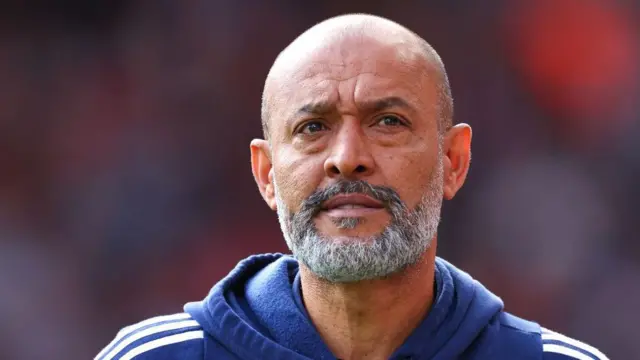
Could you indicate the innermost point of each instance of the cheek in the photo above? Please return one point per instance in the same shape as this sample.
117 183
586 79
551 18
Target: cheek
409 173
297 179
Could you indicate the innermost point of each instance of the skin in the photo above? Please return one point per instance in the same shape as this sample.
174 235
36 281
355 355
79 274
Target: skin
355 97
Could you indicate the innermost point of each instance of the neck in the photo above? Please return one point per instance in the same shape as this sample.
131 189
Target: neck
370 319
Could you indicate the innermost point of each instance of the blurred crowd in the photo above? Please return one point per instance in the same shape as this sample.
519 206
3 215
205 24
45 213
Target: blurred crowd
125 186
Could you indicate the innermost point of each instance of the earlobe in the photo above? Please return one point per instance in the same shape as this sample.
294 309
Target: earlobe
262 169
457 159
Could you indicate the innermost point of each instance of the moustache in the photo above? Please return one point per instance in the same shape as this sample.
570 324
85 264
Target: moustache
384 194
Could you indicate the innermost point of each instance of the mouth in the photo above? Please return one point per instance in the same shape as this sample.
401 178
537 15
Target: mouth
351 205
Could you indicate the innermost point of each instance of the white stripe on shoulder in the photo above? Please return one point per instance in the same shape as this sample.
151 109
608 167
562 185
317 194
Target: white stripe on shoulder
131 328
549 335
173 339
154 320
559 349
149 331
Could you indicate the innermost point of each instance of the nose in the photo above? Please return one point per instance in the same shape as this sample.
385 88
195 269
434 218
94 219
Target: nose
350 157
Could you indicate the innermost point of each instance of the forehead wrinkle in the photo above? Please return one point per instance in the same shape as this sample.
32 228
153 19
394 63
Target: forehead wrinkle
366 99
301 76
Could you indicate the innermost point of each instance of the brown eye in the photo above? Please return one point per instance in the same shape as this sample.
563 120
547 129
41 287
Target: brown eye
312 128
390 120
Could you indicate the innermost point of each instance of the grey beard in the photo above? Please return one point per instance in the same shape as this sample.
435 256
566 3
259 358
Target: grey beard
341 259
347 223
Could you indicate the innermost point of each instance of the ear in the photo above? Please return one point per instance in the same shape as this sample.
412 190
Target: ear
457 157
262 169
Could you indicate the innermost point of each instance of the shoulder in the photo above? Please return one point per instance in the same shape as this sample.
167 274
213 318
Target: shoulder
520 335
176 336
556 346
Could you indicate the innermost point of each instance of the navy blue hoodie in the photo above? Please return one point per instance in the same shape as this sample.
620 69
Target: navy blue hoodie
256 312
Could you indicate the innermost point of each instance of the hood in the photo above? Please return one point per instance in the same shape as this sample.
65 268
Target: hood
255 313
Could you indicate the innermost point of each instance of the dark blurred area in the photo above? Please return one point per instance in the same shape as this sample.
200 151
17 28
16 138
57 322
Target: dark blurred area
126 189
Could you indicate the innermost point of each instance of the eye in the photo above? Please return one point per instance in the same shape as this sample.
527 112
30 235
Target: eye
312 128
390 120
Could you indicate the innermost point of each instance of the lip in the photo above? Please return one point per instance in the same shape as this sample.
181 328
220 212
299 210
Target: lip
352 201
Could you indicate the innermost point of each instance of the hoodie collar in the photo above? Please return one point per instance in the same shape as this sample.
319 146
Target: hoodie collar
268 287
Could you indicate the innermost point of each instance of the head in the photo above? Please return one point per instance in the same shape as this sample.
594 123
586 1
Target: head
360 147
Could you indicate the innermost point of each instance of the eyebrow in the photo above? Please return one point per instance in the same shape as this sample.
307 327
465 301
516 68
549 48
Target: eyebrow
326 107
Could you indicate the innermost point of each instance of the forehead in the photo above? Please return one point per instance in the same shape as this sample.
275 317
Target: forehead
357 70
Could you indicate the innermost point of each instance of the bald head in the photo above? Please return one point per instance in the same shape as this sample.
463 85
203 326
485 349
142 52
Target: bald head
339 34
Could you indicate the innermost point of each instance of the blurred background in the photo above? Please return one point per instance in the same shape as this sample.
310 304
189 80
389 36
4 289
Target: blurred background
125 185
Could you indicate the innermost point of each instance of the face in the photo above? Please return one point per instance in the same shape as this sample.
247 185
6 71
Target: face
355 167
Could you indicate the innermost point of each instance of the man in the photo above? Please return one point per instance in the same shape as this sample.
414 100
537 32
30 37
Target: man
359 152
